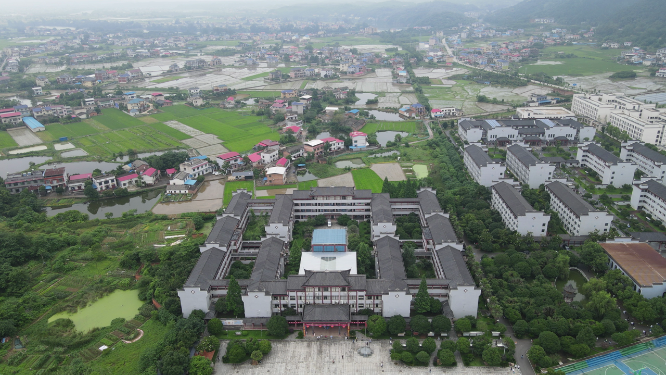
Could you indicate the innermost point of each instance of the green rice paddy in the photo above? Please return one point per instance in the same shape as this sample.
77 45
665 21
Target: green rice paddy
6 140
117 119
366 178
402 126
589 61
167 79
119 304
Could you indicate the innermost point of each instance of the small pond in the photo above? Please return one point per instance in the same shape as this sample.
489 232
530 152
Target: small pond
389 135
19 164
383 154
323 135
73 153
353 163
96 210
307 176
119 304
364 97
79 167
386 116
577 279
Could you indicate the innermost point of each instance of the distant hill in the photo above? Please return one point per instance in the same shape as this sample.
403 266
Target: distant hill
567 12
643 24
390 14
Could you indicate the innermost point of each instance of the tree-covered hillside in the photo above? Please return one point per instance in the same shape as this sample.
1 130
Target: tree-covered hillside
567 12
642 24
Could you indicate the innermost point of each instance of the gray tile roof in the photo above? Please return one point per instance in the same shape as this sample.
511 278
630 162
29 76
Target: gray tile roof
389 258
429 202
470 124
326 278
180 176
603 154
223 231
237 204
377 287
270 287
326 313
282 209
268 260
441 229
656 188
649 236
381 209
570 199
479 156
206 268
524 156
649 153
513 199
454 266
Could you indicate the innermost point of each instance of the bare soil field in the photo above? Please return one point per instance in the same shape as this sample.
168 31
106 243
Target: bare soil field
341 180
392 171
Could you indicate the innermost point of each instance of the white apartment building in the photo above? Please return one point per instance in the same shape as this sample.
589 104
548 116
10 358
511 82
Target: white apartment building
650 196
195 168
646 125
526 167
545 113
269 155
600 106
651 162
611 169
517 213
481 167
578 217
537 131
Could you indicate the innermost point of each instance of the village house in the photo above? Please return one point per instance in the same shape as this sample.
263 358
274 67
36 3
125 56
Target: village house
359 139
334 144
150 176
234 159
315 146
275 176
196 168
78 181
104 182
128 180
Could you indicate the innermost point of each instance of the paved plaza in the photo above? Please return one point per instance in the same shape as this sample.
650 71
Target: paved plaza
312 357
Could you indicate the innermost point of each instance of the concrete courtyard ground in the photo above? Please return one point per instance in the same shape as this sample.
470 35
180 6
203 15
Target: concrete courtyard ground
208 199
310 357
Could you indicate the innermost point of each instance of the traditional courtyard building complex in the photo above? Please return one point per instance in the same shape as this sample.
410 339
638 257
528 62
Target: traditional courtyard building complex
328 291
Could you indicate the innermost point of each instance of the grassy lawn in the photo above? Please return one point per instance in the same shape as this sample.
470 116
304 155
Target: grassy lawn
124 358
167 79
306 185
117 119
402 126
169 131
261 94
231 186
6 140
366 178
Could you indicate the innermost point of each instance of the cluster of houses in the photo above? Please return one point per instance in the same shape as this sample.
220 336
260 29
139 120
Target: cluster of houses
638 56
275 160
137 173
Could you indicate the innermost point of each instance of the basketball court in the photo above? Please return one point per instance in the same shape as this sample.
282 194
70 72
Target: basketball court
652 362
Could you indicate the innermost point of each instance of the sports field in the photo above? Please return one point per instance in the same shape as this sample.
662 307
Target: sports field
400 126
648 358
239 132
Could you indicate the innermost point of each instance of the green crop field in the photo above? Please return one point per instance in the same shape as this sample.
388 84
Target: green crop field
366 178
231 186
167 79
6 140
54 132
261 94
116 119
169 131
239 132
590 60
306 185
346 41
141 139
403 126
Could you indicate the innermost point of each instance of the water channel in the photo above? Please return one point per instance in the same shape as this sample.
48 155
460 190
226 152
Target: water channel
96 210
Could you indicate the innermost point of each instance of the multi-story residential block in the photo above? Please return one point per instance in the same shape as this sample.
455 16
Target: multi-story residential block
651 162
234 159
481 167
55 177
517 213
196 167
315 146
533 132
646 125
527 167
600 106
578 217
105 182
611 169
270 154
334 144
650 196
17 182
